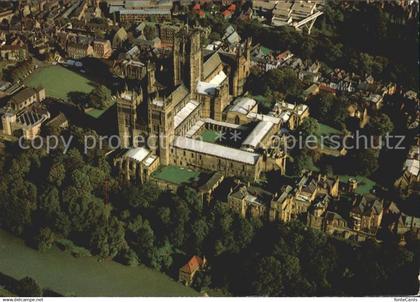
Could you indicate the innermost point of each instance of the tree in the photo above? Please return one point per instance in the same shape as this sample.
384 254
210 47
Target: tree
150 32
28 287
308 127
202 280
362 161
162 257
81 181
380 125
129 257
57 174
338 114
16 213
100 97
321 105
44 239
78 98
136 197
269 277
142 241
284 81
108 238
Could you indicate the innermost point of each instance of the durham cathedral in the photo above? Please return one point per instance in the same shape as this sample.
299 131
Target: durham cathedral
178 97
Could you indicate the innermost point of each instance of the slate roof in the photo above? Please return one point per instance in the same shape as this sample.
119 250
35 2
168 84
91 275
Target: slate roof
211 64
23 95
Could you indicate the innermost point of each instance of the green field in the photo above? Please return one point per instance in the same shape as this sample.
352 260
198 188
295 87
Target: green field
209 136
175 174
83 276
325 130
5 293
59 81
97 113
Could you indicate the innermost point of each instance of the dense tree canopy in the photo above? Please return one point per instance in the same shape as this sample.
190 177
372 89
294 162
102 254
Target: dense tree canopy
359 37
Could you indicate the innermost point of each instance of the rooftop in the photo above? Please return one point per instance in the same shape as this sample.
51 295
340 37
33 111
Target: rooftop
23 95
216 150
258 134
138 154
209 88
185 112
243 105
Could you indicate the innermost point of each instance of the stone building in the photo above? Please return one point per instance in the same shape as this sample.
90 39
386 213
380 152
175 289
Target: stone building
16 53
196 97
24 114
102 49
78 50
137 164
119 38
26 97
366 214
409 181
128 103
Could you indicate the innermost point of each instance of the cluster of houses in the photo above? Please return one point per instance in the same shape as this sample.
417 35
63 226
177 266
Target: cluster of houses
366 93
410 177
324 203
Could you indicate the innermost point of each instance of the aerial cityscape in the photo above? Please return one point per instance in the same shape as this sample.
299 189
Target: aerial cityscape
209 148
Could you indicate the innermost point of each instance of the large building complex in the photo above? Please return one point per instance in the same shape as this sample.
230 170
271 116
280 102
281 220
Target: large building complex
202 97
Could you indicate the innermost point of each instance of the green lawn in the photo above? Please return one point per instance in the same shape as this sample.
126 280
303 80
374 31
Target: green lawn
209 136
175 174
6 293
364 184
97 113
325 130
83 276
59 81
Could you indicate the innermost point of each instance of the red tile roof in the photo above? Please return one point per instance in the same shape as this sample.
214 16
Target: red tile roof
232 8
192 265
326 88
227 13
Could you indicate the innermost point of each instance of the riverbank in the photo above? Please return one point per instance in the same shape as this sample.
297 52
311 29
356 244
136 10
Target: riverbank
84 276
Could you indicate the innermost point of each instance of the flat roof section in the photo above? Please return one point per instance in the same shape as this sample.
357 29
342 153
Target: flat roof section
138 154
258 134
216 150
185 112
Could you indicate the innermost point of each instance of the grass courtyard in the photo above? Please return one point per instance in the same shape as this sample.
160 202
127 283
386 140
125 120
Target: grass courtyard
84 276
209 136
325 130
175 174
97 113
364 184
59 81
